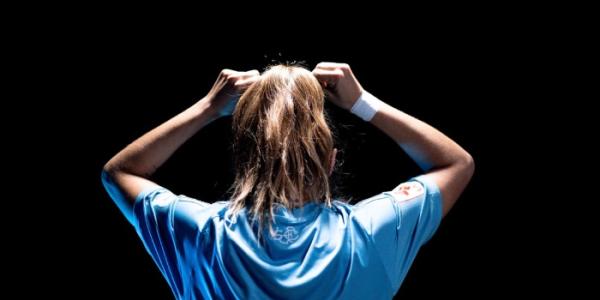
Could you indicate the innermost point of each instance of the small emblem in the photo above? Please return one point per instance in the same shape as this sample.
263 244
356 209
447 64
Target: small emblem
286 235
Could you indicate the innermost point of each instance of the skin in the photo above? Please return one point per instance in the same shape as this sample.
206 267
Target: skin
443 161
446 163
128 172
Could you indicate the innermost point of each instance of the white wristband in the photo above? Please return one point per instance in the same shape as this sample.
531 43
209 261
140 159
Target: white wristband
366 106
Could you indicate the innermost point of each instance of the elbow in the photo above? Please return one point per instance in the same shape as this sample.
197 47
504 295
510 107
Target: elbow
109 172
110 166
106 175
110 178
468 165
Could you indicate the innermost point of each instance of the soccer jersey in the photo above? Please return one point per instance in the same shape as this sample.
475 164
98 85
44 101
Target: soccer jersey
344 251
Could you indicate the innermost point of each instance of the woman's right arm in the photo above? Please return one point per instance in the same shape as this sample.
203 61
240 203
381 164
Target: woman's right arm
444 161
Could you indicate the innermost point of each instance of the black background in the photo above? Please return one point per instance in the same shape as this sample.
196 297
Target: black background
468 81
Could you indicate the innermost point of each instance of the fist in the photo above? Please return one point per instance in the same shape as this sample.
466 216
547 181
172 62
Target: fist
339 83
226 91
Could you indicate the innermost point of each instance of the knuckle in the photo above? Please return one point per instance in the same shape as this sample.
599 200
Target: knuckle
229 75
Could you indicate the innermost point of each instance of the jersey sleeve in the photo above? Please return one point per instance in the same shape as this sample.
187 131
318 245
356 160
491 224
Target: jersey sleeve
164 223
399 224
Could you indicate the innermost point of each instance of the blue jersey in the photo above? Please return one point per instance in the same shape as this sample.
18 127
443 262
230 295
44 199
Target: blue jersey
345 251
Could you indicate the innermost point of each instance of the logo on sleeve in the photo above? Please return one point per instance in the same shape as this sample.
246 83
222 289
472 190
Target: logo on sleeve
408 190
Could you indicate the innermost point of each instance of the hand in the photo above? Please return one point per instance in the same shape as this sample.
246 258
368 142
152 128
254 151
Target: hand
339 84
226 91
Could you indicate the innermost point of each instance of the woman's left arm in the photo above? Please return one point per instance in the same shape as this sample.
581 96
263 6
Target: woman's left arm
126 174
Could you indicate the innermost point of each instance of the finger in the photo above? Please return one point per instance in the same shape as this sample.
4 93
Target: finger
239 74
248 79
328 65
246 83
328 75
228 72
247 74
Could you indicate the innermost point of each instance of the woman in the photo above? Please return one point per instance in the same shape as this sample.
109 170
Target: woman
281 235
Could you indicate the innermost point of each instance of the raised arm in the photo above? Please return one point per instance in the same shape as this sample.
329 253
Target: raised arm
444 161
128 172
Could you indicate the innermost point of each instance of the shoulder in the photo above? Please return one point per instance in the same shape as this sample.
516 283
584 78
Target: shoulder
176 209
196 211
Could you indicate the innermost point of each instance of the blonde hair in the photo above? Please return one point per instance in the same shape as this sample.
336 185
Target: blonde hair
282 144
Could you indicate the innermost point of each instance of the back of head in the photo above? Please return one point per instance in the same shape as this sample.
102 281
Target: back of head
282 143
